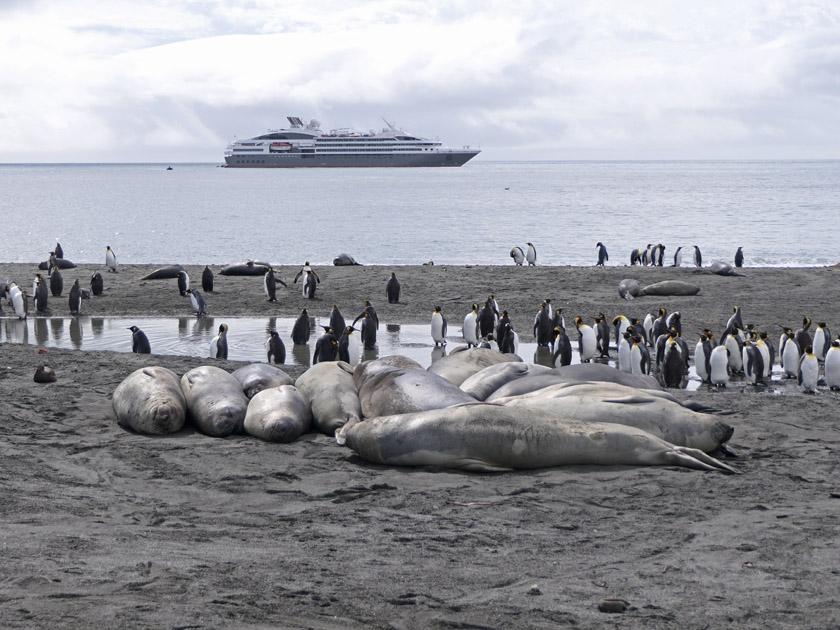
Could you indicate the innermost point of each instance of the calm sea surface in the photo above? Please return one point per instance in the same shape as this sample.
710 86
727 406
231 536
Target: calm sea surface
781 213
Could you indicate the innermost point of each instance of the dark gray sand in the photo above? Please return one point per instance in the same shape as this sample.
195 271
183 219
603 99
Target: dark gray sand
108 529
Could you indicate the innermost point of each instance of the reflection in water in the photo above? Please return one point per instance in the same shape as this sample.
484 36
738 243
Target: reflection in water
438 352
57 326
543 356
183 324
97 326
41 332
76 332
300 352
370 354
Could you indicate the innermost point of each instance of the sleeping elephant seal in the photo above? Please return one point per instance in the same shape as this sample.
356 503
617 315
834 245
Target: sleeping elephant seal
58 263
249 268
484 382
150 400
629 289
574 373
484 437
332 395
259 376
215 400
367 369
671 287
344 260
460 365
653 411
164 273
278 414
723 269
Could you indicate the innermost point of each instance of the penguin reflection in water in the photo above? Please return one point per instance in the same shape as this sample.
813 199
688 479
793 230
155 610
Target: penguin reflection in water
219 345
139 341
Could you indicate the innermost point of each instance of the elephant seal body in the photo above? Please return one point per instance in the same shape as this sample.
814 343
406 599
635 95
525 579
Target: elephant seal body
629 289
149 400
671 287
574 373
259 376
485 437
165 273
484 382
278 414
723 269
344 260
404 390
460 365
249 268
215 400
332 395
58 263
652 411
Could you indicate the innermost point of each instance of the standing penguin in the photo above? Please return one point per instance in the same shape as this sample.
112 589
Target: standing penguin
602 335
304 271
639 357
439 327
518 255
790 356
309 284
58 251
703 358
470 329
337 319
276 349
803 337
96 283
586 341
302 329
508 341
139 341
739 258
504 318
602 254
624 348
753 363
349 346
542 326
698 257
822 341
110 259
832 365
661 255
678 257
41 295
56 283
197 302
673 364
368 332
183 283
76 298
531 255
563 352
207 280
370 310
486 320
18 299
392 289
809 371
270 285
719 366
732 342
218 345
326 348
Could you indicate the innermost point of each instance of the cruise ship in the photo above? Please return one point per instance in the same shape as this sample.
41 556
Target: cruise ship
304 144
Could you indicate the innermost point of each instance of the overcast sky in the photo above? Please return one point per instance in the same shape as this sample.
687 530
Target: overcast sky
176 80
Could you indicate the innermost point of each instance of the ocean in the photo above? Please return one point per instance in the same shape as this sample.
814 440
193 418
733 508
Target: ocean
783 213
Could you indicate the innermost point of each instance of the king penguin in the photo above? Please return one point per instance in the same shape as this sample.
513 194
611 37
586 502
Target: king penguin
370 310
739 258
337 319
392 289
790 356
110 259
673 364
218 345
207 280
438 327
698 257
41 295
197 302
276 349
76 298
326 348
139 341
349 346
542 326
803 336
602 254
586 341
302 329
183 283
18 299
486 320
563 348
832 365
56 283
703 357
753 363
809 371
639 357
822 341
678 257
309 284
531 255
96 283
368 332
470 329
602 335
270 285
58 251
719 366
518 255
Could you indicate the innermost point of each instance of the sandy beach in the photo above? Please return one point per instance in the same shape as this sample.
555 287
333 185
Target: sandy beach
109 529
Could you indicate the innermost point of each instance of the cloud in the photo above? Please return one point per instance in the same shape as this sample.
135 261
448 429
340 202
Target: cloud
562 80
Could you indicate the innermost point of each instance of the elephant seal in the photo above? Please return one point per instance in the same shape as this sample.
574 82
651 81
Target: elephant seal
723 269
367 369
401 390
332 395
484 437
344 260
259 376
629 289
671 287
461 364
575 373
484 382
165 273
249 268
215 400
649 410
58 263
278 414
149 400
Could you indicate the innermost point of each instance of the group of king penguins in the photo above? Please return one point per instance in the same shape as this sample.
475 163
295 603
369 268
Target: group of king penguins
656 346
53 285
653 255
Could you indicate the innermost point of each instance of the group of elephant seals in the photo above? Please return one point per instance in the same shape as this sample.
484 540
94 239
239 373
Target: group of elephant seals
278 414
215 400
165 273
150 400
344 260
486 437
630 289
248 268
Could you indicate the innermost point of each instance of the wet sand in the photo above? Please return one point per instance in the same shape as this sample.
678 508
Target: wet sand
105 528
